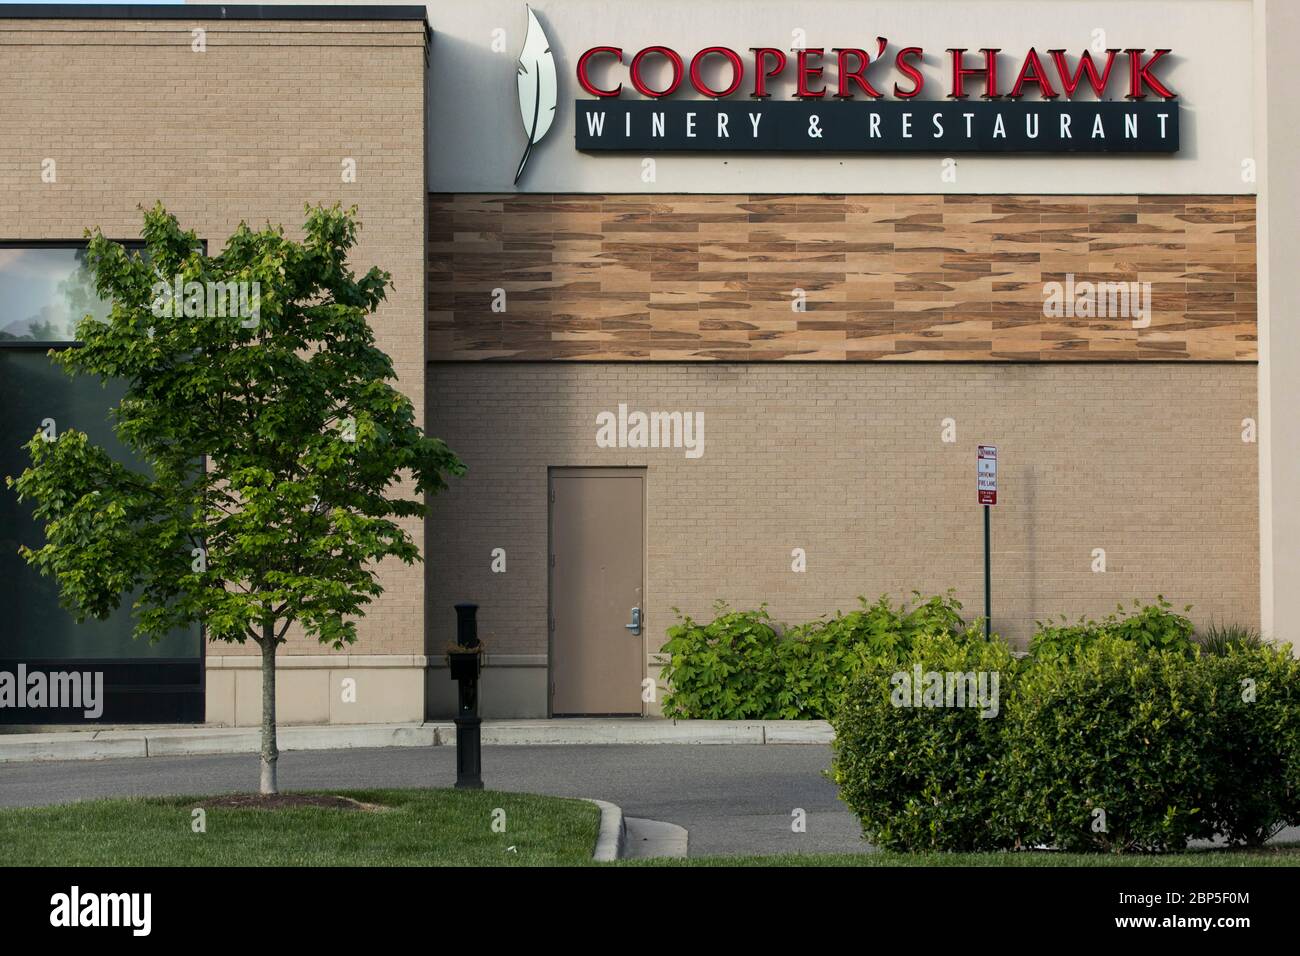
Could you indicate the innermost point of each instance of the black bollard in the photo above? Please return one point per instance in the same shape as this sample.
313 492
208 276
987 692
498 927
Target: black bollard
465 666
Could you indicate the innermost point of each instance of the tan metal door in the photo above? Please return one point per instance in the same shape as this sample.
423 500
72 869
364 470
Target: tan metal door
597 572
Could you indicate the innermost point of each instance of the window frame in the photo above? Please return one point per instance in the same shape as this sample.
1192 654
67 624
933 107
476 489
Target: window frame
131 246
136 694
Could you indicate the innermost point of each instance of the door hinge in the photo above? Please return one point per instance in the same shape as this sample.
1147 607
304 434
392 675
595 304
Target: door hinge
552 622
552 494
552 560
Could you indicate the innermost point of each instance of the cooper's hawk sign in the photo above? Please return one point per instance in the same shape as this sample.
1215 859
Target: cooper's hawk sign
849 99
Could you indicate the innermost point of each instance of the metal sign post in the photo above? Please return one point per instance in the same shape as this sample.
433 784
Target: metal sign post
986 485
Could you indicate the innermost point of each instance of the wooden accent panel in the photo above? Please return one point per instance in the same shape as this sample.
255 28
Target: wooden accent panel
673 277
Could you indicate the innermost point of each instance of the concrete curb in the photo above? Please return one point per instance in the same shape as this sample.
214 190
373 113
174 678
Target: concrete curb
203 740
797 732
179 742
580 731
655 840
249 740
611 841
71 746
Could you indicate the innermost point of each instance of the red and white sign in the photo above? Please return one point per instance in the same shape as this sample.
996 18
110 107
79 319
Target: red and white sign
986 474
751 73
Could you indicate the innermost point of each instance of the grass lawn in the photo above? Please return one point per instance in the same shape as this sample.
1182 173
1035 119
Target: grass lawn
428 828
404 828
1287 855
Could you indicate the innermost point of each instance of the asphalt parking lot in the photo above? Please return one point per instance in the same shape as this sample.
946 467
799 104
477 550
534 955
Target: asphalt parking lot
733 799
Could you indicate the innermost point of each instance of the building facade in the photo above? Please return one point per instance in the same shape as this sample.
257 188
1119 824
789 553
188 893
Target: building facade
223 116
702 329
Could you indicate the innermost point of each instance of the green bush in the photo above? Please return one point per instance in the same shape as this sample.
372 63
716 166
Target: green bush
724 670
1120 735
886 632
821 658
815 664
1150 627
926 777
1219 639
1105 748
1253 748
1111 747
743 665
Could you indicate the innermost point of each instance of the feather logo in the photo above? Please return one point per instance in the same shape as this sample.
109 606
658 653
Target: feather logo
537 87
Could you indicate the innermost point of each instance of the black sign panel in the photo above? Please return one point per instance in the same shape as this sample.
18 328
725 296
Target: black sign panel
844 126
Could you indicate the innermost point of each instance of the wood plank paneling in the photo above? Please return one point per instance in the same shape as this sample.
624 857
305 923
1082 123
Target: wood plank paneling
945 277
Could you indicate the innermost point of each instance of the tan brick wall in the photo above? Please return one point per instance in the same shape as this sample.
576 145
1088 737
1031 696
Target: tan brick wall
847 462
253 128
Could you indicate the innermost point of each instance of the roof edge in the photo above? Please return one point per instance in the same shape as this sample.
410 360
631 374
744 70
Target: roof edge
208 11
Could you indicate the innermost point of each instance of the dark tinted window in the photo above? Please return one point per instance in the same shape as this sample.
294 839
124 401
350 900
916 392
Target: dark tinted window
44 291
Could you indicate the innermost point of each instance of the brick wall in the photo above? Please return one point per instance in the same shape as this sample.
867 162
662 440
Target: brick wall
253 128
950 277
847 462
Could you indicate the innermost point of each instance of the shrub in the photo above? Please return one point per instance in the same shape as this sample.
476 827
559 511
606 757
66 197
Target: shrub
1104 748
741 666
821 658
925 777
1252 752
817 661
1121 736
1052 640
724 670
1153 626
1150 627
1219 639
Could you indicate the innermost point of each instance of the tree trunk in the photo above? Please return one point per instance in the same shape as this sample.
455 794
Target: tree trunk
270 753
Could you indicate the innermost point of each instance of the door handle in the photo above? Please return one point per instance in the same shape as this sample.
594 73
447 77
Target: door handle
635 626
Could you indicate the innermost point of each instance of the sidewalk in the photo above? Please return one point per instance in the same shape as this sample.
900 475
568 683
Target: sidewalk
102 743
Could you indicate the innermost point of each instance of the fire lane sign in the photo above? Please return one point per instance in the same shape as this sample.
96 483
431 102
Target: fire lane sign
986 474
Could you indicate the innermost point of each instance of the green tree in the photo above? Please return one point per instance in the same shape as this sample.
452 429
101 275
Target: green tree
279 457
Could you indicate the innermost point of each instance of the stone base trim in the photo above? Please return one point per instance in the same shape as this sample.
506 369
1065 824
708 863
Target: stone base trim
315 689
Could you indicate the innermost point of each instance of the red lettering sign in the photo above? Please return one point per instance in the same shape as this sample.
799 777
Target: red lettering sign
851 63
